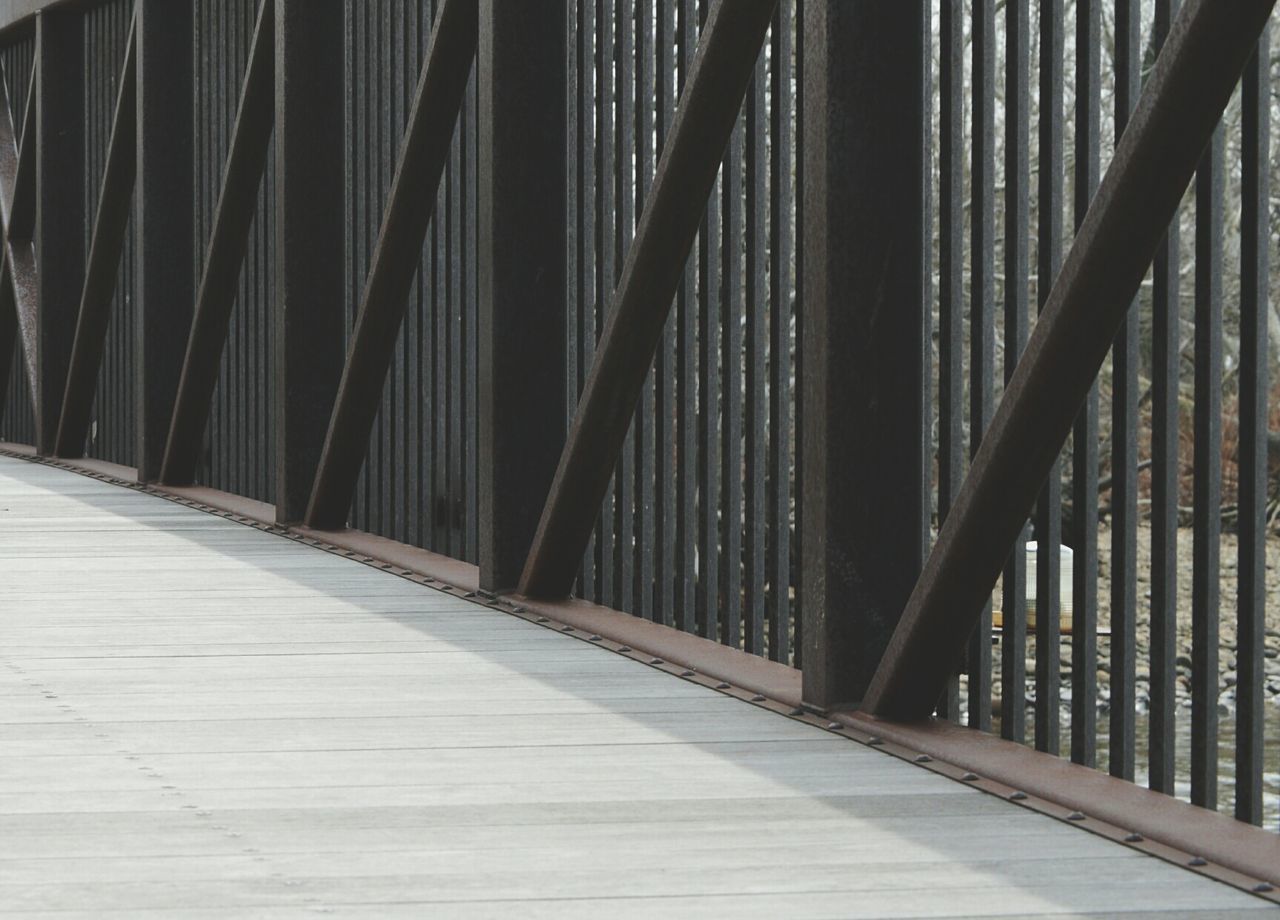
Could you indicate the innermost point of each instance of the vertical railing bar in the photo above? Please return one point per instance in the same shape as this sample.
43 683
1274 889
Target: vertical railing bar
648 515
588 298
605 277
1048 514
1165 477
1084 460
732 239
666 371
950 280
624 509
1124 457
1207 476
1013 633
687 368
756 268
982 310
1251 562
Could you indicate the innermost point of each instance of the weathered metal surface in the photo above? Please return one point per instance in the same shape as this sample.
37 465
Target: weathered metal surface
19 256
237 202
61 212
1207 50
523 183
164 221
448 63
310 241
105 250
864 240
731 42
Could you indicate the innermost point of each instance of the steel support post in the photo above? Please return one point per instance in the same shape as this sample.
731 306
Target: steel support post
60 216
523 175
165 200
866 349
310 240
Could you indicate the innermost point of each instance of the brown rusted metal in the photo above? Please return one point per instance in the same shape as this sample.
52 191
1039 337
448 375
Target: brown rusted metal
1193 79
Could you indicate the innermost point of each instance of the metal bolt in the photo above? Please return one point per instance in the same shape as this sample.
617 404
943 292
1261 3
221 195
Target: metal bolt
1075 816
923 758
1263 887
1133 838
686 673
624 649
1017 796
1197 861
758 698
543 620
656 661
969 777
722 686
796 712
875 741
595 638
566 629
834 726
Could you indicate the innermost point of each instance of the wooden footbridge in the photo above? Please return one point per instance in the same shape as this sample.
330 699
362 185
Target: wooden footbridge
469 458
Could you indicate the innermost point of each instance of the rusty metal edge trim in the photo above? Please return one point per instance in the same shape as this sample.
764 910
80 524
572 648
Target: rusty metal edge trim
1208 843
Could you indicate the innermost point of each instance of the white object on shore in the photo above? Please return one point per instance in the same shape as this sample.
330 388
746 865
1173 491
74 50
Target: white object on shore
1066 564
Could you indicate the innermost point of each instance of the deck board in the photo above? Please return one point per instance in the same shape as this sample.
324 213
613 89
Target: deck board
202 720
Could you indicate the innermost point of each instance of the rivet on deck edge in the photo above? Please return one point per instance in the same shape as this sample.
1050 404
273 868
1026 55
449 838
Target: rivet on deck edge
875 741
686 673
758 698
969 777
566 629
595 638
722 686
543 620
834 726
1075 816
624 649
656 661
923 758
1133 838
1197 861
1017 796
796 712
1263 887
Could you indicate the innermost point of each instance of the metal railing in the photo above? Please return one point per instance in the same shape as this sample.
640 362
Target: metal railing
695 310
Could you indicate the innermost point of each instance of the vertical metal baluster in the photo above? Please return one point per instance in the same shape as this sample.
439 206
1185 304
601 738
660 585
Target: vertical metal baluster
588 586
1207 477
951 280
757 203
730 473
784 197
982 328
647 513
1251 563
666 501
1124 459
1165 414
606 276
1084 459
1013 651
1048 513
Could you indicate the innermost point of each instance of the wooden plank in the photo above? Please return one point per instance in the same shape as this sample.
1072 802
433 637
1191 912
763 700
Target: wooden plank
203 719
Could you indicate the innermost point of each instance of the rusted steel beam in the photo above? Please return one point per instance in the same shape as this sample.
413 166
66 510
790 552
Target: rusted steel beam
523 181
109 231
20 280
865 342
1193 79
309 308
60 216
164 221
425 149
727 53
237 202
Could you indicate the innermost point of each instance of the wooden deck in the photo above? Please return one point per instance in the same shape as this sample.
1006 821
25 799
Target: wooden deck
204 720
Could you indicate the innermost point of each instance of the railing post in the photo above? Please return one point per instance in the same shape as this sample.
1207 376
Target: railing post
523 174
165 189
60 208
310 182
864 429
